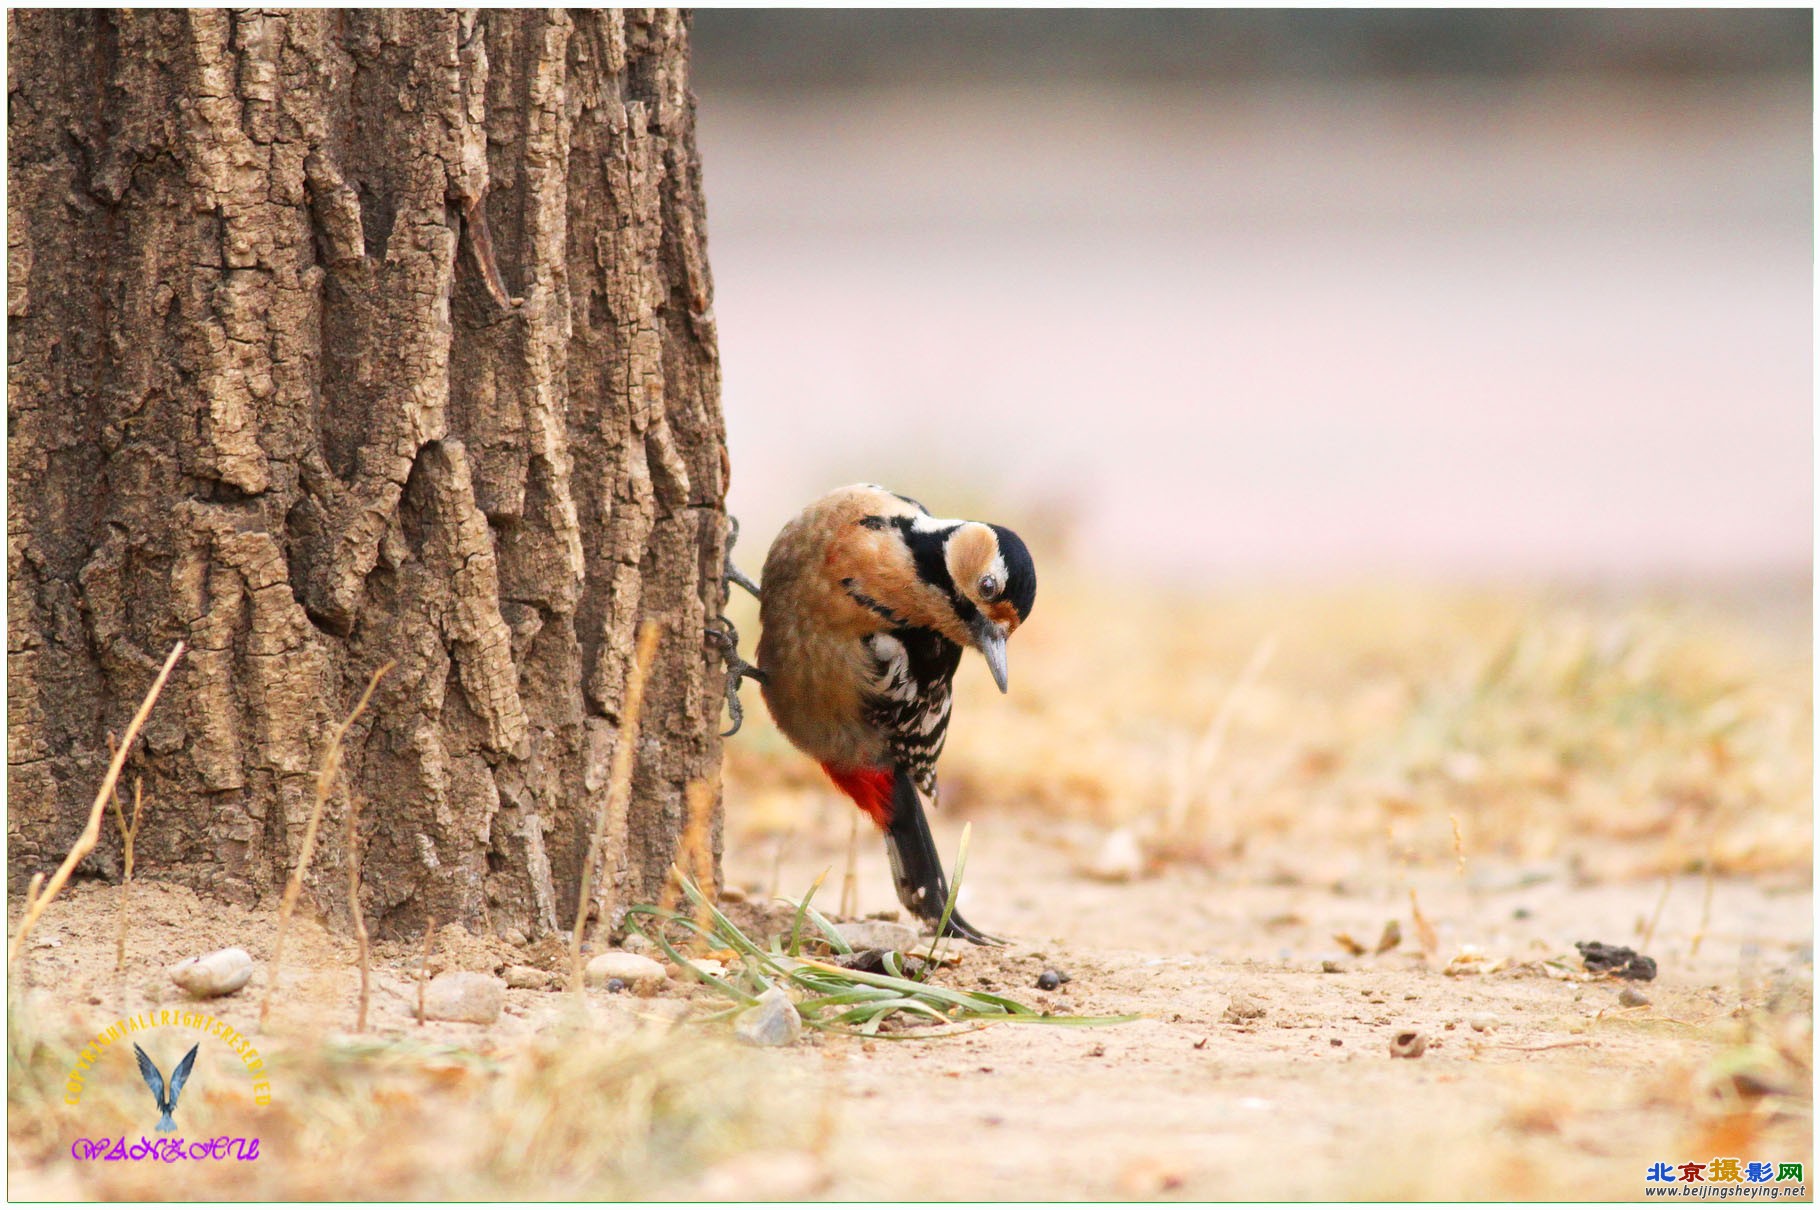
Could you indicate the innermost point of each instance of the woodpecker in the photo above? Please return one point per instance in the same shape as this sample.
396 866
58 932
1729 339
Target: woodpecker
867 605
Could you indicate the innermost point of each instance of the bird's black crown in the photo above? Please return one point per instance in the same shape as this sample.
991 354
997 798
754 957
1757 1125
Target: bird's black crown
1020 571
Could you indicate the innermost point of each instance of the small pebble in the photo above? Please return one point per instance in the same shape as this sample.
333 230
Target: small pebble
1330 967
527 976
1408 1045
1335 1042
617 964
1630 997
773 1021
879 935
1483 1024
615 986
1118 859
218 974
1049 981
1242 1008
464 996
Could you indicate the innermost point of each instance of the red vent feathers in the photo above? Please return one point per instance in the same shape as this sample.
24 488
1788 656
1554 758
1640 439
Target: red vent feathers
869 788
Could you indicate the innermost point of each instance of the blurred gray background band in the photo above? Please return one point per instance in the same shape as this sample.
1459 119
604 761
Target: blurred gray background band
1254 295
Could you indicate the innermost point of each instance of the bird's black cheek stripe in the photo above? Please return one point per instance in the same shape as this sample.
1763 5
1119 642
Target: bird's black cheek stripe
866 602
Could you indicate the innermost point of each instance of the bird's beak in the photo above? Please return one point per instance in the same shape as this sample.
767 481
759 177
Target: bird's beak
990 638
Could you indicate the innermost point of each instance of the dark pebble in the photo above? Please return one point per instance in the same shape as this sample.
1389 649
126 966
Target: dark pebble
616 985
1620 960
1049 980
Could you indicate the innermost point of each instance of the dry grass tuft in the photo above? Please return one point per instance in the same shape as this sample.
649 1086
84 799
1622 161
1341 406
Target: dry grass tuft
36 902
608 1111
1631 737
611 819
325 784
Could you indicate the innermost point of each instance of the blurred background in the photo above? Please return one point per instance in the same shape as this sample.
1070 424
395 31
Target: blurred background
1410 414
1228 296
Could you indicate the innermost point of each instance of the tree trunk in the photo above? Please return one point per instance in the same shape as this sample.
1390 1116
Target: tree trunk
340 337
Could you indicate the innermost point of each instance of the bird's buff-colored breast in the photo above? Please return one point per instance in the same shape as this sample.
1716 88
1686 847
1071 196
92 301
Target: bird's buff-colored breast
812 629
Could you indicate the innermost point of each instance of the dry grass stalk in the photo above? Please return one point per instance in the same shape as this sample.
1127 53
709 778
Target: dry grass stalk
849 883
694 847
360 923
128 832
611 818
325 781
1206 754
1706 904
698 843
36 903
1656 916
423 972
1425 932
1459 846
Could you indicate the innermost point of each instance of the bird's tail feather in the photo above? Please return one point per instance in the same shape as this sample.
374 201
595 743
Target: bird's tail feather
916 867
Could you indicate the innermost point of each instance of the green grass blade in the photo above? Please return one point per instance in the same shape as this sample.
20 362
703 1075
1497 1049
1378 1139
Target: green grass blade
954 895
796 926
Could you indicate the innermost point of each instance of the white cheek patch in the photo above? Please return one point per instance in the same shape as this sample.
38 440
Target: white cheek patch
923 523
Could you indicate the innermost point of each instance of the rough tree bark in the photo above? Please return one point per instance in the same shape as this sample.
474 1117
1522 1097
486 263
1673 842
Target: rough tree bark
340 337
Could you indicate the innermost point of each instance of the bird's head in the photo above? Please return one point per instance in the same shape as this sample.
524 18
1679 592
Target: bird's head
992 587
968 581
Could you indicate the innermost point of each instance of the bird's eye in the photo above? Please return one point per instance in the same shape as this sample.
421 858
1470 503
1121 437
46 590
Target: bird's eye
988 587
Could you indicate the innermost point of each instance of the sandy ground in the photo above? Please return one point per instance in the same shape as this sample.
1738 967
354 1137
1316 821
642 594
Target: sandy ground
1261 1067
1535 1083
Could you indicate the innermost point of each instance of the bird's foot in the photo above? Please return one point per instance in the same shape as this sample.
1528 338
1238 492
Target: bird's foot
726 639
959 928
732 574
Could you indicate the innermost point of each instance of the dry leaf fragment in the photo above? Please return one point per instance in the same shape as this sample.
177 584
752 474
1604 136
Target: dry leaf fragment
1425 932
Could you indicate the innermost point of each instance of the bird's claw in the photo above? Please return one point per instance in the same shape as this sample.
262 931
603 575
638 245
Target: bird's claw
726 638
733 574
966 932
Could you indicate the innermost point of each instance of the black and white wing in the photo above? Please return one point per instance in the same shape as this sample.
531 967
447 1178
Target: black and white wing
910 698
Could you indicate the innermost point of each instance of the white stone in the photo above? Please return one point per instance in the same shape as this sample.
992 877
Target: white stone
527 976
707 966
218 974
773 1021
1118 859
617 964
464 996
878 935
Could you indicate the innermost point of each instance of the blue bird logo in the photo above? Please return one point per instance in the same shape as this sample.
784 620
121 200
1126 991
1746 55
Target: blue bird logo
167 1101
